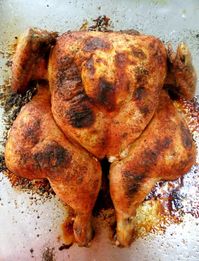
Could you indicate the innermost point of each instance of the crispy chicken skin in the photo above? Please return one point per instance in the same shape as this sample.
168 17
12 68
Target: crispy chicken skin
105 87
37 149
107 95
181 75
164 151
29 61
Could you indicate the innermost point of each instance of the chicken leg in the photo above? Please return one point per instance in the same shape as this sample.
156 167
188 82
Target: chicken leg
165 151
37 149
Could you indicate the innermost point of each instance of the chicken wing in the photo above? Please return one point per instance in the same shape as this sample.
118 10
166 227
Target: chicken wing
30 58
181 73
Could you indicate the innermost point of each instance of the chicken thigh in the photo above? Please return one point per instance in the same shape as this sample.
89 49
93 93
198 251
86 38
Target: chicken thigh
164 151
37 149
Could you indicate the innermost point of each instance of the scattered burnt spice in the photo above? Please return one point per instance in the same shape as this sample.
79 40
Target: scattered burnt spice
48 254
9 63
64 246
12 103
2 162
176 200
41 187
190 109
170 195
101 23
31 251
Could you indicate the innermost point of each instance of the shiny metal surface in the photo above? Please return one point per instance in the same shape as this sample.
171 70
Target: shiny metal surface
30 224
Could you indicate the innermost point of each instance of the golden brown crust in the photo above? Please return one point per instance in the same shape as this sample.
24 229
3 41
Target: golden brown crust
182 75
105 87
29 61
36 148
164 151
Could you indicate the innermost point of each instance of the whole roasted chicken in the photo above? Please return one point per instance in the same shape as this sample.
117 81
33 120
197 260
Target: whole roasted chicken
107 98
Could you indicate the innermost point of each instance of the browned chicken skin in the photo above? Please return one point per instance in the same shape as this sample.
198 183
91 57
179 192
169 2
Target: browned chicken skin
105 87
164 151
182 74
29 61
106 95
36 148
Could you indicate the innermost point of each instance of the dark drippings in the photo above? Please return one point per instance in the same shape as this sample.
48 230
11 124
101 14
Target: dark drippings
101 23
104 199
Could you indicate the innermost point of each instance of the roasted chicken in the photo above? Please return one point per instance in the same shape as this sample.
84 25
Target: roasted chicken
107 98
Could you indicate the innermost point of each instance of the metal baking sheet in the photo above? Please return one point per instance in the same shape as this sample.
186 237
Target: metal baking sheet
30 224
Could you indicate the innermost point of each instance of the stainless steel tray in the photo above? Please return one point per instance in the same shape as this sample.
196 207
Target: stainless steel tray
30 223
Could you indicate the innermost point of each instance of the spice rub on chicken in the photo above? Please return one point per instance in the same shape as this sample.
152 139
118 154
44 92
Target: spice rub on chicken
105 100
